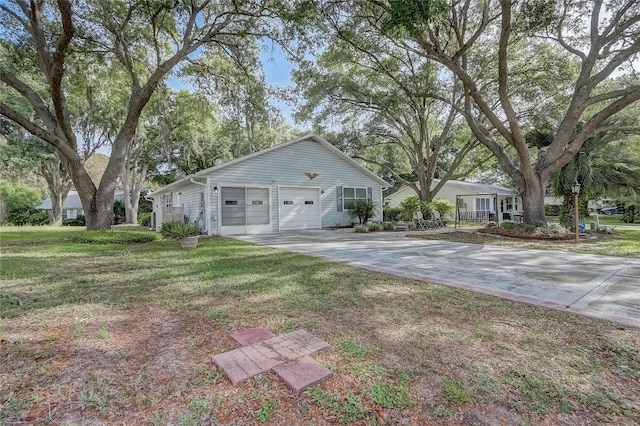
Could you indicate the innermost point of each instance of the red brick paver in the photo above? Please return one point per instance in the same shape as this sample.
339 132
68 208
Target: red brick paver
302 373
270 353
252 335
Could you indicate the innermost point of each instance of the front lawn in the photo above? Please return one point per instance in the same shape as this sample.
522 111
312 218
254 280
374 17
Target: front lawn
623 243
124 333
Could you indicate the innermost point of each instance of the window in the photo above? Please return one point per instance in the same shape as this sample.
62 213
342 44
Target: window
352 194
256 202
287 203
483 204
231 202
308 202
167 200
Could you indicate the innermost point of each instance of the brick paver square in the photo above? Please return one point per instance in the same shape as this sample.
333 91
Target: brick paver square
236 365
252 335
302 373
307 340
269 351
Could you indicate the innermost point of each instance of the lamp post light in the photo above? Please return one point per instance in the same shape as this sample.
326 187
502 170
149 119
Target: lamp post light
575 190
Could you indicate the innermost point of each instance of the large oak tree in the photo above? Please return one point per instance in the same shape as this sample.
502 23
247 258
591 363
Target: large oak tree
513 57
147 39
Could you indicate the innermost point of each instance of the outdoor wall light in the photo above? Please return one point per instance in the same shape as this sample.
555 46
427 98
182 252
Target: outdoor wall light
215 189
322 192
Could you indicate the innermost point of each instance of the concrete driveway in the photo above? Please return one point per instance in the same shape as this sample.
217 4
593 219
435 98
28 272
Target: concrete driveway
598 286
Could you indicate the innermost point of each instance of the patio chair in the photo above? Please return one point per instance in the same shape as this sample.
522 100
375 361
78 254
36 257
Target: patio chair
437 221
421 223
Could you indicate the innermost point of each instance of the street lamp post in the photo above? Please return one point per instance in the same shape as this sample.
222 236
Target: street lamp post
575 190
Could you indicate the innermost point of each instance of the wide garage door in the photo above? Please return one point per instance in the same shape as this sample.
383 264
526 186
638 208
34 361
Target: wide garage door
299 208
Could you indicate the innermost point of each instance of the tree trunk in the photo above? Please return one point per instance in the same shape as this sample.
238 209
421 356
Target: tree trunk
100 215
57 202
59 186
533 202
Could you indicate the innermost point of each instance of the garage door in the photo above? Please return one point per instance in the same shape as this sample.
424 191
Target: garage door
299 208
244 210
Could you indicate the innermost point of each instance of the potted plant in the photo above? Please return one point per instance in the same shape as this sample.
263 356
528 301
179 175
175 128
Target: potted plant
185 232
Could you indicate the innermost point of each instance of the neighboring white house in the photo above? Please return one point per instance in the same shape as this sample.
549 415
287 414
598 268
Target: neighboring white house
72 207
306 183
474 201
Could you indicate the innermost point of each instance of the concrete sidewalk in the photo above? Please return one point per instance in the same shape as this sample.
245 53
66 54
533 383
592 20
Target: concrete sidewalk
598 286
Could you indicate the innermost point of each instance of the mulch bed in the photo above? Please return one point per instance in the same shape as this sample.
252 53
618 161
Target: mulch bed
521 234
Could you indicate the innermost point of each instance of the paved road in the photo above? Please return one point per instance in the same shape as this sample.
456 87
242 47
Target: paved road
598 286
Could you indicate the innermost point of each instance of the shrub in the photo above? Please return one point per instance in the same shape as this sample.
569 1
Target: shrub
28 217
361 229
551 210
411 226
491 224
375 227
144 219
629 212
112 237
552 229
508 225
18 201
391 214
529 228
411 205
38 217
78 221
388 226
443 207
362 209
178 230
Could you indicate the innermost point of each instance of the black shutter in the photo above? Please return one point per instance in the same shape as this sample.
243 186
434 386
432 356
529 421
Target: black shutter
339 197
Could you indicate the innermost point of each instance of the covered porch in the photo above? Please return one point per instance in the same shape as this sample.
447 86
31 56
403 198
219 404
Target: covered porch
495 207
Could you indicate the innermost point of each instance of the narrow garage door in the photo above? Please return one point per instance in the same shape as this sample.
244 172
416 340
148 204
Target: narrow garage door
245 210
299 208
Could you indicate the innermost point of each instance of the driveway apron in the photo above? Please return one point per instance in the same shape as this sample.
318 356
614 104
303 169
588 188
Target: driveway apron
605 287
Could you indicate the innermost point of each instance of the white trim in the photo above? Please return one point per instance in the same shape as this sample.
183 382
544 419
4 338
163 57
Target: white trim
207 207
355 188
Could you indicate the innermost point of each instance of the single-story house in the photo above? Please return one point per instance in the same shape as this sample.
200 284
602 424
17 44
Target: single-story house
306 183
473 201
72 207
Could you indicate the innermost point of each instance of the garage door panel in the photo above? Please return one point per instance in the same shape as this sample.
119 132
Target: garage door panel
299 208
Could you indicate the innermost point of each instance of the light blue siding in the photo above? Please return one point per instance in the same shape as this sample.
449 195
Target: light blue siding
286 167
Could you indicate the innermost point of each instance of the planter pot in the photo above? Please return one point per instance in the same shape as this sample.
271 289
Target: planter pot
189 242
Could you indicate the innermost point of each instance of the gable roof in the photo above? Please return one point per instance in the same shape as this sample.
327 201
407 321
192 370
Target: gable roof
309 137
481 188
476 188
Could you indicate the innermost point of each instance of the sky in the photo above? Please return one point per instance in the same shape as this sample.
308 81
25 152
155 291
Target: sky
277 70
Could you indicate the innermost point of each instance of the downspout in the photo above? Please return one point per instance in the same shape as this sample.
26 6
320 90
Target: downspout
207 218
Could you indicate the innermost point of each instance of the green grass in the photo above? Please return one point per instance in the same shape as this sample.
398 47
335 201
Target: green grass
100 327
623 243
